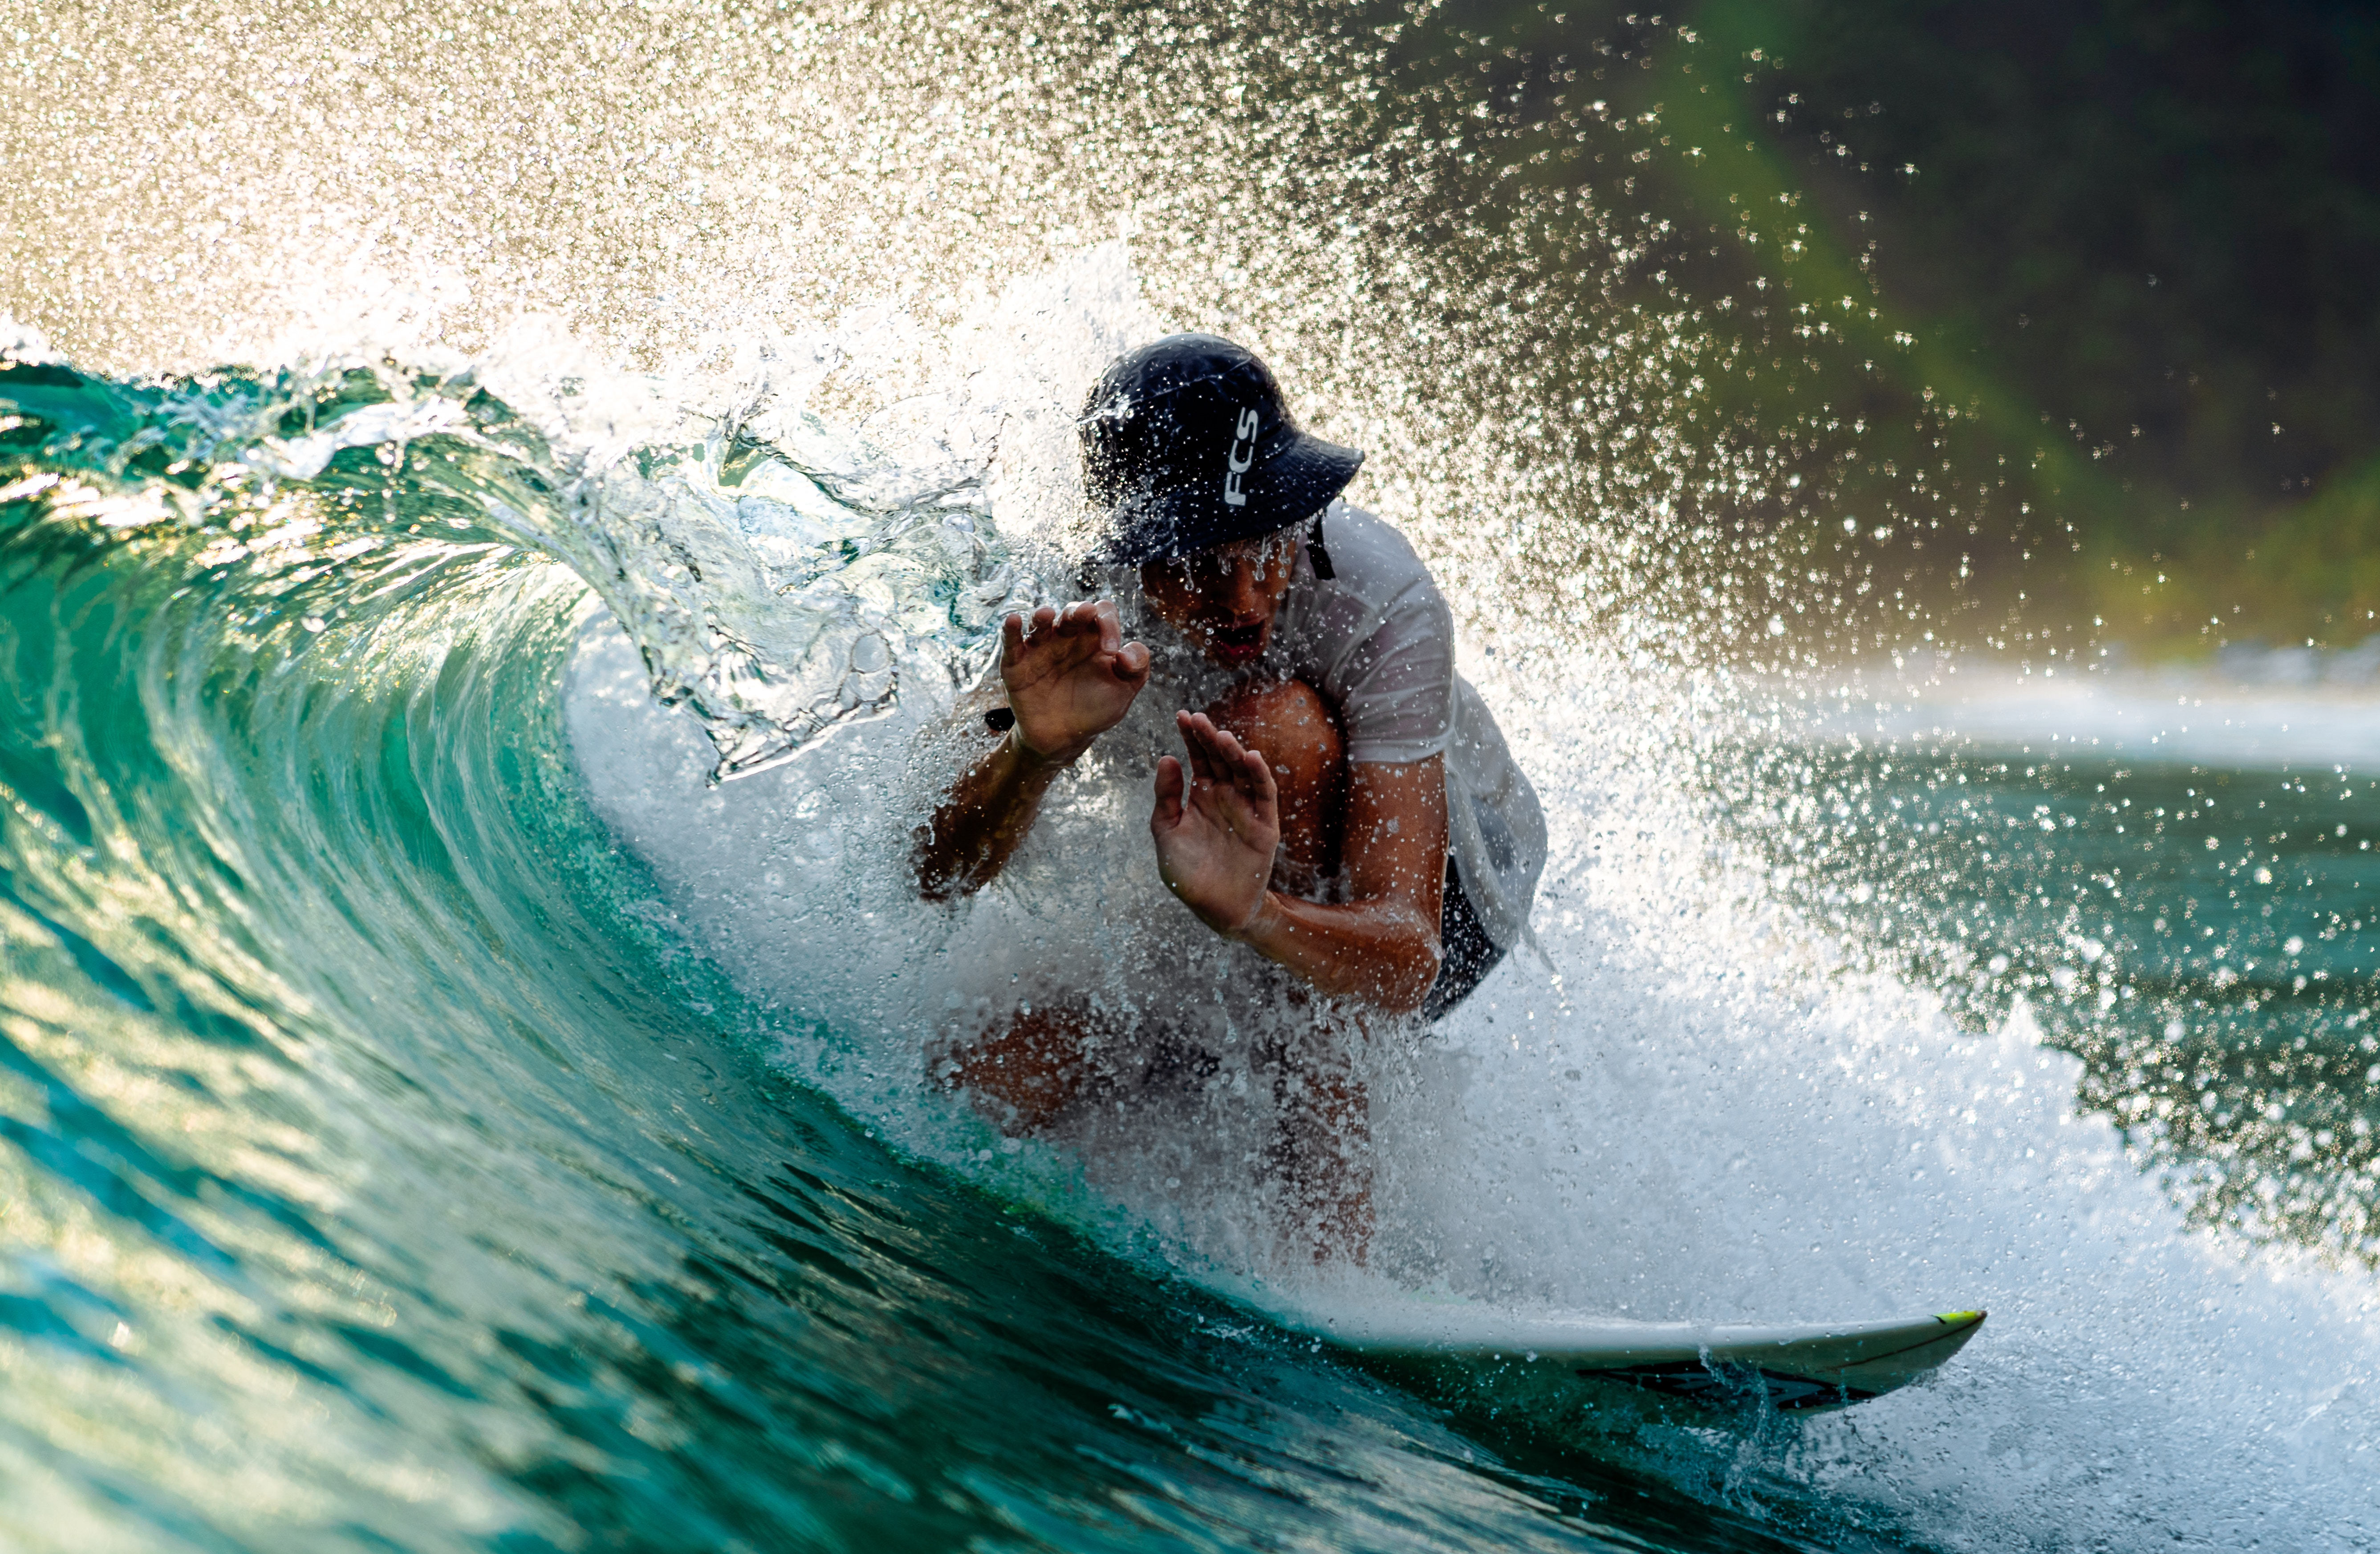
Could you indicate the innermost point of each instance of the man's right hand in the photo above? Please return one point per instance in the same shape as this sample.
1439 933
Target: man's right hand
1071 677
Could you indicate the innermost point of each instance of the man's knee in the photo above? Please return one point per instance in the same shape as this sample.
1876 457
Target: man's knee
1295 728
1028 1073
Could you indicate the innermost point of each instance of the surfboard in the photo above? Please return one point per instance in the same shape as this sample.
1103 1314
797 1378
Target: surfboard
1792 1368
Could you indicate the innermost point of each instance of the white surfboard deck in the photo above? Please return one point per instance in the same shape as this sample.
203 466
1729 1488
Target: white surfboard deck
1799 1367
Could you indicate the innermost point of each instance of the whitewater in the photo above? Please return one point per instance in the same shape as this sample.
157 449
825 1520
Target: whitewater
1656 1114
467 1029
1670 1107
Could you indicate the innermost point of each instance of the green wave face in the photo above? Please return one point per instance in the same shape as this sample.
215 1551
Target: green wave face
381 1168
394 1155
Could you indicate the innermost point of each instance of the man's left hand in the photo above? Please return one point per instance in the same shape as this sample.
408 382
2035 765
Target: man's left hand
1217 825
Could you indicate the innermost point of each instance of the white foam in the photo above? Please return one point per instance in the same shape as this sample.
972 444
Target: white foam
1684 1126
1682 1111
1741 1144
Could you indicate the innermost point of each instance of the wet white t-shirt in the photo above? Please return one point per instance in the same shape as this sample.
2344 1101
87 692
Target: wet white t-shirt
1376 639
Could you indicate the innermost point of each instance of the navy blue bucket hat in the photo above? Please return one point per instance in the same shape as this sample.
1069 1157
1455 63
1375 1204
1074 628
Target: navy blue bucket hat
1186 445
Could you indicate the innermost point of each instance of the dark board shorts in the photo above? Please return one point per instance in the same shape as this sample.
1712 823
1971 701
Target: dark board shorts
1469 953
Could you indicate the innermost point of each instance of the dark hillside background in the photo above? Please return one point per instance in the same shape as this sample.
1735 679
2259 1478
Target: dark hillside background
2064 317
2160 224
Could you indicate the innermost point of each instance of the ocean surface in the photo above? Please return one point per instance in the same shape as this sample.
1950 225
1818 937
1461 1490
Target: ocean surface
466 1035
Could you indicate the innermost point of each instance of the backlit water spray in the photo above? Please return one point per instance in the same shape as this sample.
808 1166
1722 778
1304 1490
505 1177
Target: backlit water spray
437 1113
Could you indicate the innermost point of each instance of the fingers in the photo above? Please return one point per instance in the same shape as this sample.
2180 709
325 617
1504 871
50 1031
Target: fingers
1198 733
1083 630
1245 779
1084 621
1217 751
1173 787
1231 767
1025 638
1218 756
1044 625
1257 780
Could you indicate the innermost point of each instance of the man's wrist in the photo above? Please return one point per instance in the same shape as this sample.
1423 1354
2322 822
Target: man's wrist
1032 760
1261 920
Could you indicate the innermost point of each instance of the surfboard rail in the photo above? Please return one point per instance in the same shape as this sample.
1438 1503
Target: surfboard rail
1795 1367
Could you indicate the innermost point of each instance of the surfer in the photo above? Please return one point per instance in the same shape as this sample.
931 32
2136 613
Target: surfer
1341 804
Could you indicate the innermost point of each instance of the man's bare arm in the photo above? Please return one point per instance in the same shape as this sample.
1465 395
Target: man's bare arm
1381 946
1067 677
986 813
1216 824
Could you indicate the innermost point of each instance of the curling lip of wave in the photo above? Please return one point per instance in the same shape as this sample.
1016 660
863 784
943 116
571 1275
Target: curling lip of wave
1706 1233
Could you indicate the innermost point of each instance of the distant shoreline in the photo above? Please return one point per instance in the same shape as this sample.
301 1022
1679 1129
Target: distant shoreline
2248 707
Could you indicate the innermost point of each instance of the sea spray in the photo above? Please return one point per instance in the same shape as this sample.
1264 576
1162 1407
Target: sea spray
1829 1134
1679 1111
387 1161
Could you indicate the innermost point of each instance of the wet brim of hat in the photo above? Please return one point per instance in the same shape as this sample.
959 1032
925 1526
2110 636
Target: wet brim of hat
1293 485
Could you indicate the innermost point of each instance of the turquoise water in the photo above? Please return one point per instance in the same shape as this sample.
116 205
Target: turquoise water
391 1162
436 1116
380 1174
2206 938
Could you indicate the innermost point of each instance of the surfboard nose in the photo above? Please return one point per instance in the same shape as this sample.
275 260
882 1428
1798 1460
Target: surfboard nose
1885 1372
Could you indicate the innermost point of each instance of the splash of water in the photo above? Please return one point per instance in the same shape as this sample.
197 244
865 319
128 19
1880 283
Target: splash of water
1636 487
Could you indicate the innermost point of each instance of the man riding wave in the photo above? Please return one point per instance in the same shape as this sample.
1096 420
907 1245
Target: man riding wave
1344 806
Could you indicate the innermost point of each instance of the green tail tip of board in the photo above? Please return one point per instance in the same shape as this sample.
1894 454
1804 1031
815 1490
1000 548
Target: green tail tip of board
1959 1319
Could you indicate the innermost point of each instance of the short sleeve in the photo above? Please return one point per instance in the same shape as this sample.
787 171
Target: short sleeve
1395 689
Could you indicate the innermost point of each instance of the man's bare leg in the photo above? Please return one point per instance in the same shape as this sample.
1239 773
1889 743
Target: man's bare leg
1026 1076
1321 1156
1041 1062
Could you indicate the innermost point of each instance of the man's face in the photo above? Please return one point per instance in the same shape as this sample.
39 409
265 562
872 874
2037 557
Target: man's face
1223 599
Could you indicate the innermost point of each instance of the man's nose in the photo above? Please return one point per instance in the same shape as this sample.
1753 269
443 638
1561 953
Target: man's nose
1242 594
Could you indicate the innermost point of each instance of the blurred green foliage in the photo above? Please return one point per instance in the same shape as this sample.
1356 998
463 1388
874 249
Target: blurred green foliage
2064 313
2157 227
